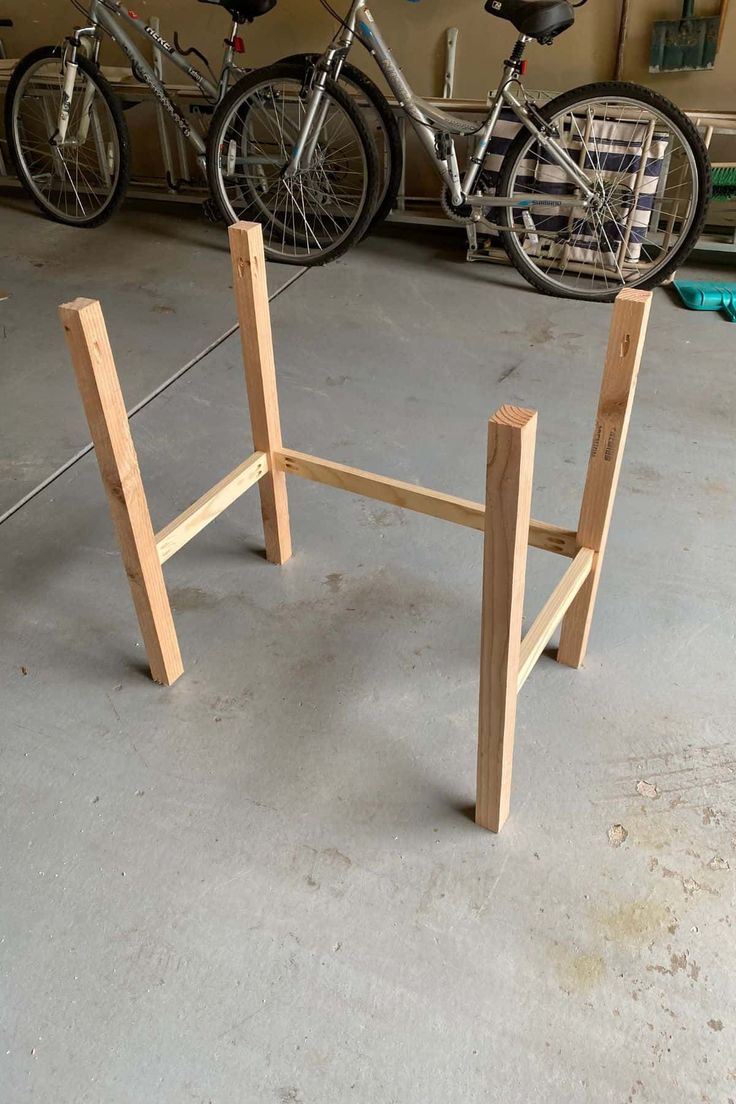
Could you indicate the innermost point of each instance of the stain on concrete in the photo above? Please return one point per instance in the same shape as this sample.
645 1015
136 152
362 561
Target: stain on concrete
715 1025
386 518
691 888
634 922
714 487
508 372
718 863
645 473
334 581
193 598
617 835
323 869
679 964
231 704
537 333
578 972
337 857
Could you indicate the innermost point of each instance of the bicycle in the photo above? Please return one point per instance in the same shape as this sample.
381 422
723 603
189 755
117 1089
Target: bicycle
603 187
65 126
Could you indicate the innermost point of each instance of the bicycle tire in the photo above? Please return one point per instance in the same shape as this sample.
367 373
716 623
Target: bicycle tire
394 153
92 72
215 139
609 89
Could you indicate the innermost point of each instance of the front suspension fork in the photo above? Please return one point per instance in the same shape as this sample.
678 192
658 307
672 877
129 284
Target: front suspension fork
71 69
67 95
306 141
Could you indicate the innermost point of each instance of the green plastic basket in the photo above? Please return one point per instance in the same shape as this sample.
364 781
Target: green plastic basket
704 295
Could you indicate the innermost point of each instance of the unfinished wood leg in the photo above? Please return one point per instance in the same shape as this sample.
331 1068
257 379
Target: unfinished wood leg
99 386
511 440
625 347
254 314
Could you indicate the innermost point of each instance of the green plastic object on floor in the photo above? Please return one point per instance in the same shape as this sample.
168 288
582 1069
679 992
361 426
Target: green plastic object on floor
704 295
724 182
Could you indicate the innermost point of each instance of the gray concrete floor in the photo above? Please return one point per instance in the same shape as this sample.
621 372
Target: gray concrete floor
263 884
160 281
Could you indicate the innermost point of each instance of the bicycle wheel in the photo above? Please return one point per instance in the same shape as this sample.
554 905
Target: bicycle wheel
81 181
650 175
381 123
317 214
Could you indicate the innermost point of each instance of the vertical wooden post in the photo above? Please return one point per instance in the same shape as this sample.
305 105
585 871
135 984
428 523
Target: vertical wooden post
251 297
511 441
625 347
89 346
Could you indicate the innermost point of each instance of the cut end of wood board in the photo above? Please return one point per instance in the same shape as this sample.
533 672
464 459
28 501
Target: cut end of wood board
634 295
244 235
517 416
243 227
77 306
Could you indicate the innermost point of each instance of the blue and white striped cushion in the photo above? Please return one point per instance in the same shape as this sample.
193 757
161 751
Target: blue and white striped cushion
617 148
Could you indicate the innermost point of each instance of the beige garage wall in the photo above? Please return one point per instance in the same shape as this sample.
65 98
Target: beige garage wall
416 32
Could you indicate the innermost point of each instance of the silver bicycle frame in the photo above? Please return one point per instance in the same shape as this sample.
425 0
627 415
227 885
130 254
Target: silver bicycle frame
117 21
431 123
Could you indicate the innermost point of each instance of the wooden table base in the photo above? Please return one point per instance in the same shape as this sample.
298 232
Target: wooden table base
506 659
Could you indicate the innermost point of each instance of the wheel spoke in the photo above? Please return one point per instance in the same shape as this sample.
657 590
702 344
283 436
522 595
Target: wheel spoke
70 181
304 212
643 171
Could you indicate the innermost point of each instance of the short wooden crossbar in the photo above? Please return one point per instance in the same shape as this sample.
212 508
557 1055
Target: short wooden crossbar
550 616
504 518
192 521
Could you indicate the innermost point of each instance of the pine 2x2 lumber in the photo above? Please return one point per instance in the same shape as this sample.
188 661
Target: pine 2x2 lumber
509 475
460 511
193 520
254 316
97 378
553 611
505 518
615 403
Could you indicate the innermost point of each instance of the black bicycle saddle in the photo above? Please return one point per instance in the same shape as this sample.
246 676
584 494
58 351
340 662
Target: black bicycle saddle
540 19
244 11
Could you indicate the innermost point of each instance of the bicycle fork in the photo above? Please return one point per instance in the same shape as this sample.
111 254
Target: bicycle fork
306 140
65 108
71 69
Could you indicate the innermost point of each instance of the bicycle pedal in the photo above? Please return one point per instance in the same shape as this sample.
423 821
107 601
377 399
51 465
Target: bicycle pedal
211 211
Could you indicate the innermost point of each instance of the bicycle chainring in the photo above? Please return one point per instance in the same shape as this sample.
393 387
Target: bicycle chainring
465 214
462 214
